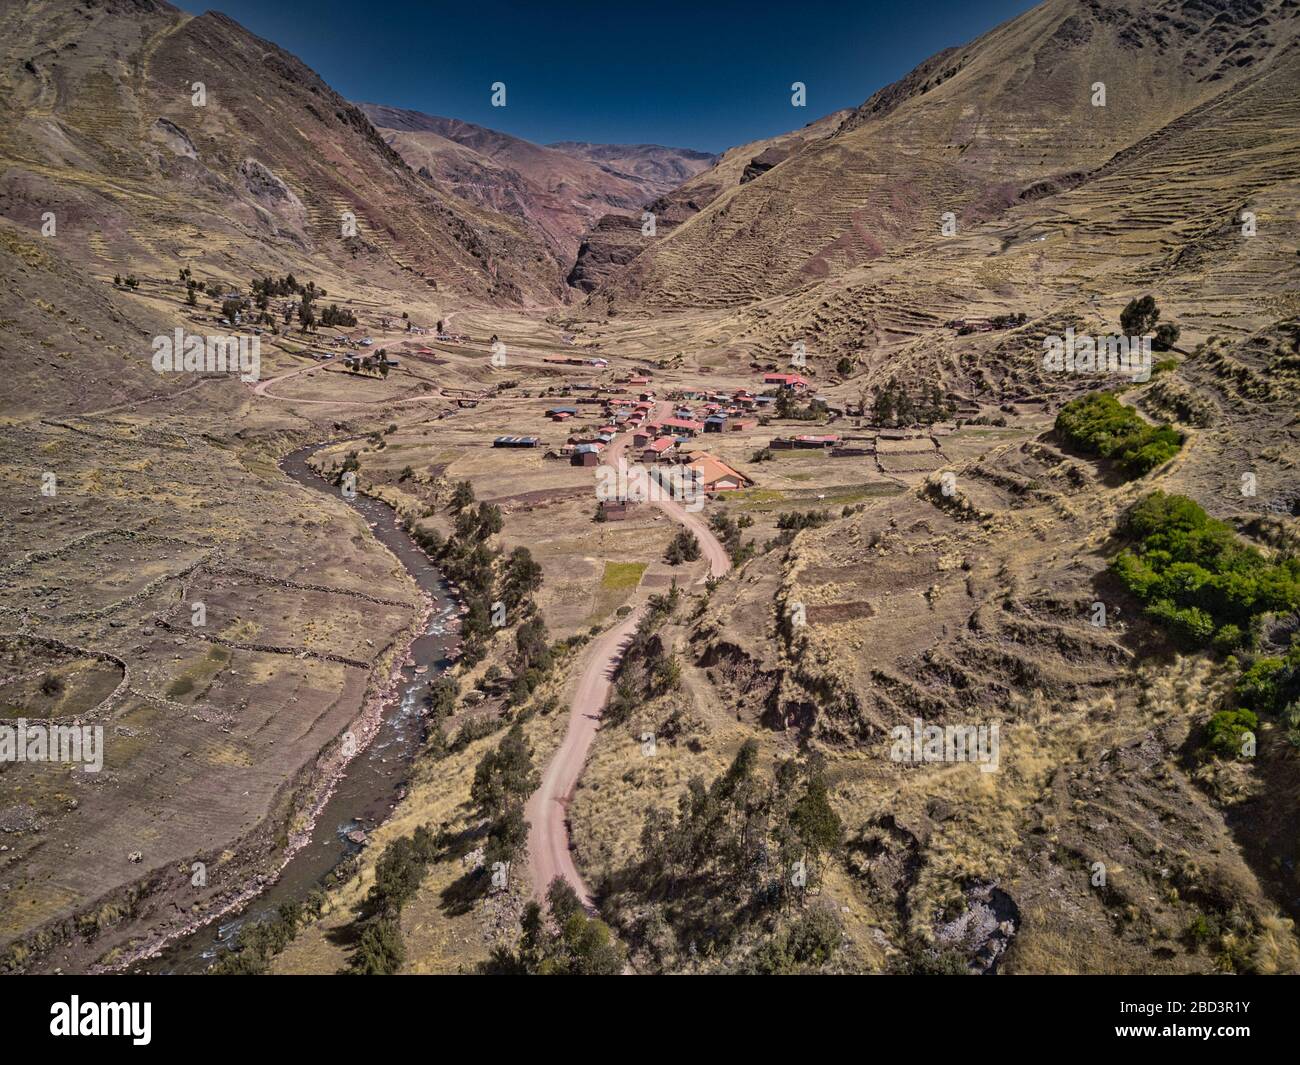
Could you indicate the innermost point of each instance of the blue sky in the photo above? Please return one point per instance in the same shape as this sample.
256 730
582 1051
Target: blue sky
692 75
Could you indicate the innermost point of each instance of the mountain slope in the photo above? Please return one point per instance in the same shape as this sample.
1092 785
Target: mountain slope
617 240
969 132
98 126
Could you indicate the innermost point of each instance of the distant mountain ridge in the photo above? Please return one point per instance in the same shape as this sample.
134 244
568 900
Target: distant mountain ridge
656 163
558 191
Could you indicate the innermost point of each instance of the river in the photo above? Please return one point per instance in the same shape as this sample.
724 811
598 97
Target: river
372 781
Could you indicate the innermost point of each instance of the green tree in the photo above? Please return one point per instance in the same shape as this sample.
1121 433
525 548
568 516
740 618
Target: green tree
685 547
1166 336
505 775
462 496
1139 317
380 950
507 837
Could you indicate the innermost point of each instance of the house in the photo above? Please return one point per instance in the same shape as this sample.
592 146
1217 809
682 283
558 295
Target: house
682 426
715 423
814 440
658 449
559 414
641 438
515 441
585 455
739 425
791 381
619 509
715 475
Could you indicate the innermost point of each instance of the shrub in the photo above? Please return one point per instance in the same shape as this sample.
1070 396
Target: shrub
684 548
1270 685
1100 425
1223 734
795 519
380 951
1140 316
1196 578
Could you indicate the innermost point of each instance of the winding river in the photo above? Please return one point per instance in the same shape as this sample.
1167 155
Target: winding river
371 783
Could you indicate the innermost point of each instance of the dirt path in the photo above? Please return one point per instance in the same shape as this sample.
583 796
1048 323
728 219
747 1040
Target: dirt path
260 388
547 811
549 853
262 391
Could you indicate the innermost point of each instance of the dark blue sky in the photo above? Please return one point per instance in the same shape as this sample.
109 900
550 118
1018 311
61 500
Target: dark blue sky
692 75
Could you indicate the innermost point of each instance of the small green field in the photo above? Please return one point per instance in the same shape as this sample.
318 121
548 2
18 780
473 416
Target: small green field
616 583
621 576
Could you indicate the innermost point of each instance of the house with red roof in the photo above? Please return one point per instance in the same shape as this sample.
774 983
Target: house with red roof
684 426
658 449
792 381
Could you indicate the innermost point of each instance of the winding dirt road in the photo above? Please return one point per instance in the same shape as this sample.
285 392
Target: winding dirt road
547 811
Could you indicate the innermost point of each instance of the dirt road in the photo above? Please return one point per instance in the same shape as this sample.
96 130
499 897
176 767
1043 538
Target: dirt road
549 853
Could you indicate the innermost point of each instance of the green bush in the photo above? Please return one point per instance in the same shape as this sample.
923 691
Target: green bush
685 547
1099 424
1271 685
1223 734
1196 578
380 950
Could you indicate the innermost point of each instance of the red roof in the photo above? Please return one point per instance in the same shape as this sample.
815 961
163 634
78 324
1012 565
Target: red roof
682 423
661 445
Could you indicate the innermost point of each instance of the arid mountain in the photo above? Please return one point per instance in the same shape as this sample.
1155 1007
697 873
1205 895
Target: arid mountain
973 131
616 241
160 136
664 168
559 194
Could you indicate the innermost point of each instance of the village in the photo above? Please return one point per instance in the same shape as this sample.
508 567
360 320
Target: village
630 420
